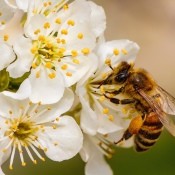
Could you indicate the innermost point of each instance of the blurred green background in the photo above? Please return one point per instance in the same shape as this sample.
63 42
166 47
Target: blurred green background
150 23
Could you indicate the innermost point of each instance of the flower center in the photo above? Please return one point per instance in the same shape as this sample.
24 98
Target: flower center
23 131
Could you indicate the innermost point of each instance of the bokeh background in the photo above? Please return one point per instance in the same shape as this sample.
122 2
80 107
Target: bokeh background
150 23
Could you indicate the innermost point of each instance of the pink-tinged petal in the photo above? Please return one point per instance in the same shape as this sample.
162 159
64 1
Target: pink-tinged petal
45 89
56 109
63 142
7 55
23 92
24 60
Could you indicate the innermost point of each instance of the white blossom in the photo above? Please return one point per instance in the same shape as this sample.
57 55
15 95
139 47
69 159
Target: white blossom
57 48
27 126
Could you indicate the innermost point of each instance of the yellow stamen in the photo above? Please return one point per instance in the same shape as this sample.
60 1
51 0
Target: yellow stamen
69 74
64 32
47 25
74 53
124 51
71 22
52 75
105 111
64 66
58 21
115 51
80 36
6 37
85 51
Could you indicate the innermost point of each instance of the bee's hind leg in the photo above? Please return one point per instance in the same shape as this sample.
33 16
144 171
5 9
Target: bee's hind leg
133 128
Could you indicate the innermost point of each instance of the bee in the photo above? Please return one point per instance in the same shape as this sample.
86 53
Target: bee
155 106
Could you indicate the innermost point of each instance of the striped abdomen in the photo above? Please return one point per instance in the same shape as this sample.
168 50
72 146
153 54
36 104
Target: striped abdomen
148 133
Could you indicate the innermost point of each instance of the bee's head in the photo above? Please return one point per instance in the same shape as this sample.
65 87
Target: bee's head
122 73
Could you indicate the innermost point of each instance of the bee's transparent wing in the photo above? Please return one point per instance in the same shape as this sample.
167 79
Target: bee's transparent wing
167 101
167 120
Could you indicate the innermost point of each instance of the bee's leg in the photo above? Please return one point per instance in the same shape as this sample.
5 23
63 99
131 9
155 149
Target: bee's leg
116 92
133 128
118 101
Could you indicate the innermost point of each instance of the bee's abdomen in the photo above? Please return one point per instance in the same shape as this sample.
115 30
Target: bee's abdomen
148 133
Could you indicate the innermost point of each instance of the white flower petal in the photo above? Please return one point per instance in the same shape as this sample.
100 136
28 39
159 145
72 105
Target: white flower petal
98 19
78 71
25 58
23 92
57 108
105 50
45 89
22 4
14 29
6 13
97 165
68 136
10 105
1 172
89 120
7 55
37 23
4 155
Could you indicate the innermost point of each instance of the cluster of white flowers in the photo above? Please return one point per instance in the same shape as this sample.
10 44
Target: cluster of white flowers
53 55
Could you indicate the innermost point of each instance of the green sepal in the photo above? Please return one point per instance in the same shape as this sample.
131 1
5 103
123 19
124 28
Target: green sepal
4 80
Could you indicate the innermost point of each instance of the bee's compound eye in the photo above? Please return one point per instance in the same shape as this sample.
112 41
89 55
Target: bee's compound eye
121 77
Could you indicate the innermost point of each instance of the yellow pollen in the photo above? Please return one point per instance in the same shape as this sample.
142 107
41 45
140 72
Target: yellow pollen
6 37
50 3
54 127
80 36
58 21
35 162
124 51
41 38
111 117
64 66
43 159
102 89
105 111
11 167
71 22
57 119
74 53
108 61
37 74
52 75
10 112
3 22
58 40
45 4
63 41
104 75
85 51
102 98
76 61
34 65
115 51
34 50
56 144
64 32
66 7
48 65
4 150
23 164
47 25
36 32
69 74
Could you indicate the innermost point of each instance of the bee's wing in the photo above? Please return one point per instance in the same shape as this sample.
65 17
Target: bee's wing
167 101
167 120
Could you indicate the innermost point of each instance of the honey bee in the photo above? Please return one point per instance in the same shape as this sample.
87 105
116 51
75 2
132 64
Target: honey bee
155 106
